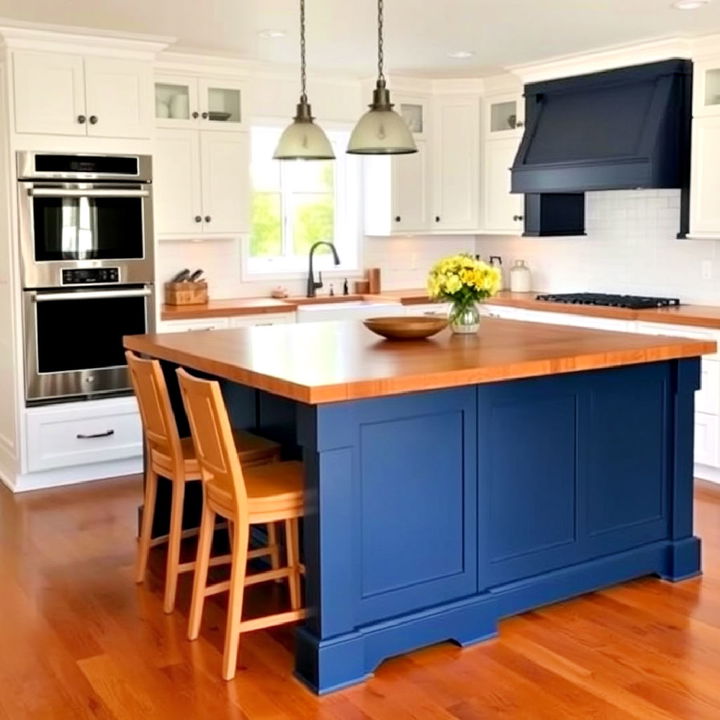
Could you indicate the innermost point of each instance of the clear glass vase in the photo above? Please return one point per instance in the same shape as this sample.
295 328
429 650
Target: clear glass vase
464 318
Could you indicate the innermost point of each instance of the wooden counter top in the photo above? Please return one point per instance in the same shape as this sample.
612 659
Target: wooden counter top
227 308
329 362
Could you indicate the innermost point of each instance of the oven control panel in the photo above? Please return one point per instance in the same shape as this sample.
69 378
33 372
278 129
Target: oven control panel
90 276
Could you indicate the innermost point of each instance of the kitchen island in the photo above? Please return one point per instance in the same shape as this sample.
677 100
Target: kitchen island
459 480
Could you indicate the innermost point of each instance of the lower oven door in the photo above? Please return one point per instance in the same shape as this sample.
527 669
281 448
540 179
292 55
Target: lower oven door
73 340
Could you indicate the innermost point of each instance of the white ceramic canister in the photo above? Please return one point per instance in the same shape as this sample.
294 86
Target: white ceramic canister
520 277
180 106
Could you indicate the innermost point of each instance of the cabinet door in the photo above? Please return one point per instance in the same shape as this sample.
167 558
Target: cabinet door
504 117
221 105
503 210
178 202
705 180
706 88
176 102
118 97
409 190
49 93
456 170
225 182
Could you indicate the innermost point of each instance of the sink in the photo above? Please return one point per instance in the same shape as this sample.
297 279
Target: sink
350 310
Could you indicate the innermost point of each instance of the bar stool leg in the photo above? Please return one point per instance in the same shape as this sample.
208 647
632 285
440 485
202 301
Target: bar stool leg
241 538
173 558
148 515
293 558
207 528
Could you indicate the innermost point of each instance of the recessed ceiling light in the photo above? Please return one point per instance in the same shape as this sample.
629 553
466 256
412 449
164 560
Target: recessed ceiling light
272 34
690 4
461 54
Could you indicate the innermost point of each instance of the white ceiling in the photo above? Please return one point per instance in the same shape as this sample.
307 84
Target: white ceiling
419 34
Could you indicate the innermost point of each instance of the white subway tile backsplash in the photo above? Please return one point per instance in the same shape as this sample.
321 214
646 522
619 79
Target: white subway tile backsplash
630 247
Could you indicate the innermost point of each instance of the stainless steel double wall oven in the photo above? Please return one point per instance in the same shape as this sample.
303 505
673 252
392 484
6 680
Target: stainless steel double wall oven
86 249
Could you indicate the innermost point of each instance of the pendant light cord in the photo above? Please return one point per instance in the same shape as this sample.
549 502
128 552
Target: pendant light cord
303 75
381 51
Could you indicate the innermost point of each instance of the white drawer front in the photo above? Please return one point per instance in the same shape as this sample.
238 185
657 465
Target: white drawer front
707 399
264 319
706 439
194 325
439 308
63 436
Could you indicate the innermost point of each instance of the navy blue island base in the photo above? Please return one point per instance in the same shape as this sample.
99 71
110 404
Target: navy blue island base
433 515
454 482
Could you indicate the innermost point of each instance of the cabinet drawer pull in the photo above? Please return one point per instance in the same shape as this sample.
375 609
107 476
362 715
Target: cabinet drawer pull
519 123
81 119
437 218
205 116
517 218
208 218
93 119
196 115
198 218
397 218
107 433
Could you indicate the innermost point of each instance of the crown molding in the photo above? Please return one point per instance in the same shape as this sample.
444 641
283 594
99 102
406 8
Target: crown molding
64 38
605 59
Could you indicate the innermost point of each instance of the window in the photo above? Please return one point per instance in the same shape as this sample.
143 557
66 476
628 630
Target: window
295 204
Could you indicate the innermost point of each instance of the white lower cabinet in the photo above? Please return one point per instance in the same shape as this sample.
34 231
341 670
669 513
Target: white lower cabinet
171 326
72 434
706 441
428 309
264 319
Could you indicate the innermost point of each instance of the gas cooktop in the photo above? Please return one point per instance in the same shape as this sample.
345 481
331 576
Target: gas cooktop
634 302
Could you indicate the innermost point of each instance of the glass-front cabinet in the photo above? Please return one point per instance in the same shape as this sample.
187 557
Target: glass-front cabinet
199 102
706 90
505 116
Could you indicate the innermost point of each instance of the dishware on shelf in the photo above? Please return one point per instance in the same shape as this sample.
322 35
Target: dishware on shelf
161 109
180 106
520 277
406 328
219 116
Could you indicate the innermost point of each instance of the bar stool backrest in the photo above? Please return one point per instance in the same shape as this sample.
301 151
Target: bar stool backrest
214 445
161 433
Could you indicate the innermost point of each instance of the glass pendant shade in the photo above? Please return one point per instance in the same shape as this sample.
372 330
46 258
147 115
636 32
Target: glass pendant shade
303 139
381 131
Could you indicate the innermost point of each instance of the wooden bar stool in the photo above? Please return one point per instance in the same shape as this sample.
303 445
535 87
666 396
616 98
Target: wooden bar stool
244 496
168 455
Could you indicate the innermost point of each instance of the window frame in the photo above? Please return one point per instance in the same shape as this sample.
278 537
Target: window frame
347 221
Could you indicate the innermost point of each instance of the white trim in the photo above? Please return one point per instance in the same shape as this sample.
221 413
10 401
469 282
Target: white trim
604 59
705 472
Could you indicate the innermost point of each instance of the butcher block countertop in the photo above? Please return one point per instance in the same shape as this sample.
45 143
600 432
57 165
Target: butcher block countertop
329 362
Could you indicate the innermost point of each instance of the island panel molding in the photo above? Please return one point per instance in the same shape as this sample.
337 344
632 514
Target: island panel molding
331 362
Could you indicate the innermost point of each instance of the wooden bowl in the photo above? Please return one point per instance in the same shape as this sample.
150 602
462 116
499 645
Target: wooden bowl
406 328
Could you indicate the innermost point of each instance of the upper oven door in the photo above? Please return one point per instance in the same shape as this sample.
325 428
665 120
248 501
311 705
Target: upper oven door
70 225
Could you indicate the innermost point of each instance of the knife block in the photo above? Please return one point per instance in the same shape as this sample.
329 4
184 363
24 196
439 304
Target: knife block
186 293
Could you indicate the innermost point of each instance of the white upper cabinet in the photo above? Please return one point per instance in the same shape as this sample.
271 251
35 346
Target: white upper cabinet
410 190
706 88
505 116
49 93
503 211
225 161
62 94
456 166
202 103
177 185
118 97
201 183
705 177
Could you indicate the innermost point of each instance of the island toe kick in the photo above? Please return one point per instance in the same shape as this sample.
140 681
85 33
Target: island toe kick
434 515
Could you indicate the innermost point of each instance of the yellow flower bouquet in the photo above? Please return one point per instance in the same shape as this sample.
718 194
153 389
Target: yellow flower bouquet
463 281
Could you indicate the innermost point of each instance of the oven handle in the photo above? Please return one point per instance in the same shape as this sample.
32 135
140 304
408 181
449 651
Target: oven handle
61 193
91 295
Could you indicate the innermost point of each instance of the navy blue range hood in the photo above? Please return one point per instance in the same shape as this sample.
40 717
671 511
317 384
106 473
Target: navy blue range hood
614 130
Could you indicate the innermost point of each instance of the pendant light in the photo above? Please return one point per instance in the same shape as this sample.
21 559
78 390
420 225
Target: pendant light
303 139
381 131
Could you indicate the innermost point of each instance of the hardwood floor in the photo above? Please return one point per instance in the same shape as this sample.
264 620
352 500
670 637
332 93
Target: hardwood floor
81 640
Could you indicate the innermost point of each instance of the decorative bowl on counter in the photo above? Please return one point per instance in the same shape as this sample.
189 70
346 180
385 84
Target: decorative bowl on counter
406 328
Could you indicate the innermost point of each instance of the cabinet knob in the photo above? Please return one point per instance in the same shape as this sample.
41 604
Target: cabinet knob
196 115
205 116
81 119
93 119
437 218
198 218
517 218
208 218
397 218
519 123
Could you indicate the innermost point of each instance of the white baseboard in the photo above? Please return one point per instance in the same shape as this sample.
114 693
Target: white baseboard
75 475
711 474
